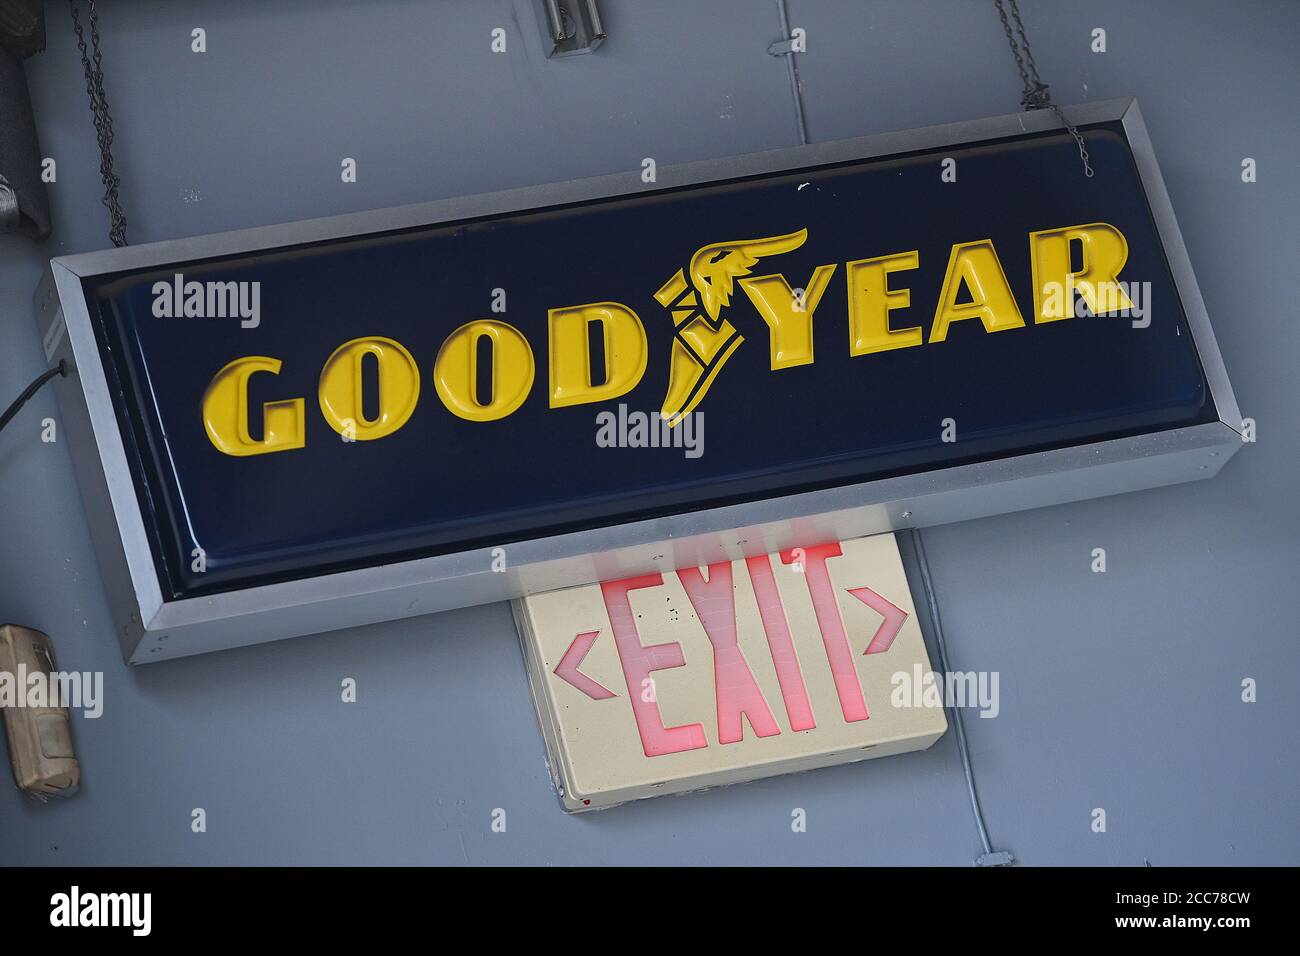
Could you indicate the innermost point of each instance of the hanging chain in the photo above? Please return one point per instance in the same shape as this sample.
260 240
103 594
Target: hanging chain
103 120
1036 95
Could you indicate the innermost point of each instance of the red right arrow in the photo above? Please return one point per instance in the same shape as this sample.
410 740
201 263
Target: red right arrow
567 669
894 617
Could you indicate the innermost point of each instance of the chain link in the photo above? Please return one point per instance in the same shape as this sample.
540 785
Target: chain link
1036 95
93 64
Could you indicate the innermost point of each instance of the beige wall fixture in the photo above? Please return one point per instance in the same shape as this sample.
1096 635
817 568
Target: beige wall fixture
700 677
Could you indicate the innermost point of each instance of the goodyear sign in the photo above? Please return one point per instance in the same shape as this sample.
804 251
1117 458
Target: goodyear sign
324 406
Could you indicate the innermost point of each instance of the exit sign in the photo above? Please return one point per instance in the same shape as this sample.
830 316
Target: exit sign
702 676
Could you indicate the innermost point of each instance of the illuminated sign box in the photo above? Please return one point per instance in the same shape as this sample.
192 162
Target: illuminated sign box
292 429
701 677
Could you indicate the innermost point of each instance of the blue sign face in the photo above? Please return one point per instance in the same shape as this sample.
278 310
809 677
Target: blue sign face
355 402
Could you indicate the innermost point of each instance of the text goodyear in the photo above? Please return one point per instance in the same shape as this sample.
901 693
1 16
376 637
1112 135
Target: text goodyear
702 342
297 410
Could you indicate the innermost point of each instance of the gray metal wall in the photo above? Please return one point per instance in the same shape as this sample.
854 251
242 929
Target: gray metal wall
1119 690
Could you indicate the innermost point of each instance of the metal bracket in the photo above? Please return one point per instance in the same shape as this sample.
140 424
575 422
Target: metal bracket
10 215
570 27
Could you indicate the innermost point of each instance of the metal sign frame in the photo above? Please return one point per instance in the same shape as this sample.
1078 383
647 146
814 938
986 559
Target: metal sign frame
151 628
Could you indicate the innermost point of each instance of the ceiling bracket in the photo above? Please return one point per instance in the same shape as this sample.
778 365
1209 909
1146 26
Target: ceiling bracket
571 27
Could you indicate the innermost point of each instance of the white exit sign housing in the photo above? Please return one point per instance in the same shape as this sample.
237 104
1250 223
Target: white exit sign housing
701 677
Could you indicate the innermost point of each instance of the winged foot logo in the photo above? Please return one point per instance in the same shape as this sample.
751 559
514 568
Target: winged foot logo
702 340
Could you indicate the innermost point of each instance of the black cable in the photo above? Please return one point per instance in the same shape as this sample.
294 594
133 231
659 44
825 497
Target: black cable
32 389
990 857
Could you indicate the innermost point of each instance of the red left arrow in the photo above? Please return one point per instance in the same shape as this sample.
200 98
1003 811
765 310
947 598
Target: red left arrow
567 669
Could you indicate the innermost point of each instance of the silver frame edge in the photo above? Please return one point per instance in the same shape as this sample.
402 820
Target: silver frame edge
151 629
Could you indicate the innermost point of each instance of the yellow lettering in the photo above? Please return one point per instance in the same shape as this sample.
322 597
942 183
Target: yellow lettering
455 370
1105 250
341 384
871 301
225 412
570 348
788 316
991 299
